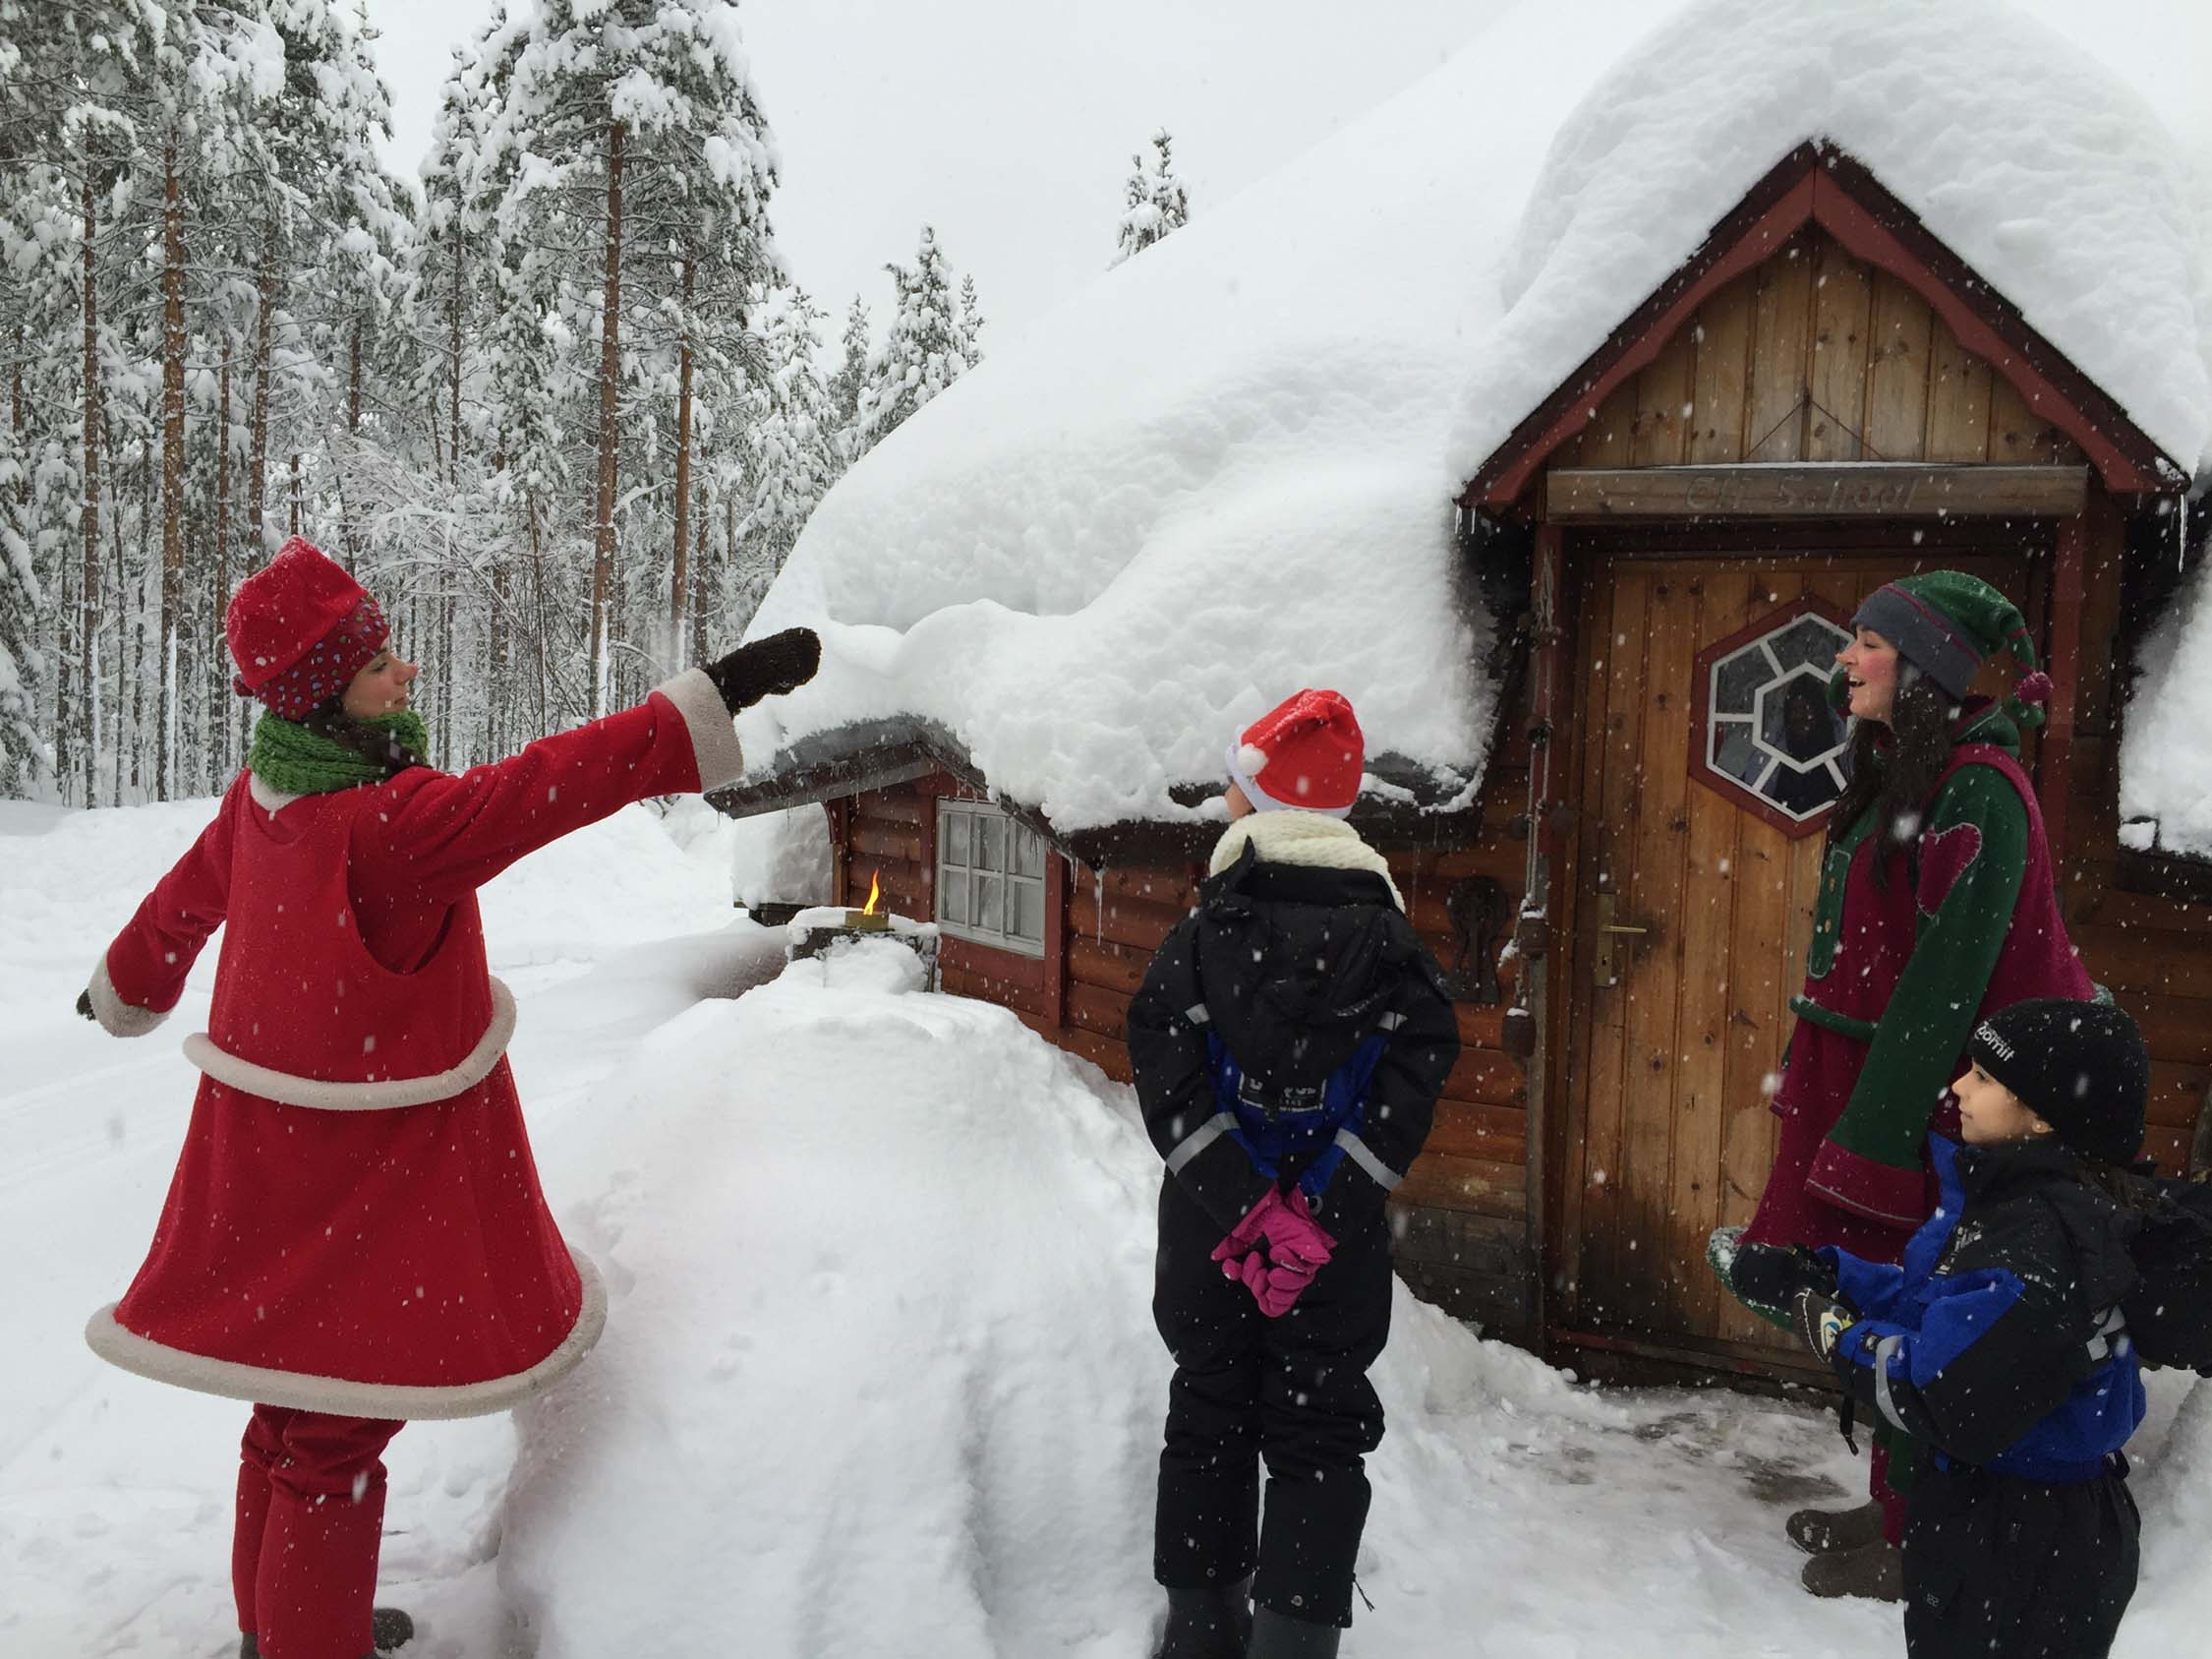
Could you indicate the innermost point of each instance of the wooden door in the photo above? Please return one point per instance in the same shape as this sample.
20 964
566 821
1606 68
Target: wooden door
1673 1047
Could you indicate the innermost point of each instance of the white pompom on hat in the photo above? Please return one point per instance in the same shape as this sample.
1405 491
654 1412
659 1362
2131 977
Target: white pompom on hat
1305 754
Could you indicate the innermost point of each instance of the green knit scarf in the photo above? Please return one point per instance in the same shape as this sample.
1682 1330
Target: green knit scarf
287 756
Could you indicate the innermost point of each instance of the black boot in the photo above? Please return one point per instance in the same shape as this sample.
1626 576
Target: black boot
1209 1622
1275 1638
1823 1532
389 1628
1874 1570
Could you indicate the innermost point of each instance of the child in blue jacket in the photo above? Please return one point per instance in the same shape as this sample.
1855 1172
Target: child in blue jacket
1999 1345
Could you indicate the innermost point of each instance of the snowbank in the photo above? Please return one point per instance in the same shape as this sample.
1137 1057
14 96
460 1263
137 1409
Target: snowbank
879 1361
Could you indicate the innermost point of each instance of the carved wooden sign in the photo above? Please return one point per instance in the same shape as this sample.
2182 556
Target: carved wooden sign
1846 490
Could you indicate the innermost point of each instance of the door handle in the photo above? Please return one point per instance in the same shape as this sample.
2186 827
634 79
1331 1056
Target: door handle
1604 961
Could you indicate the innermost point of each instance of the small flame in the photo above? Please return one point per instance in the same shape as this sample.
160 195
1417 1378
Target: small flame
875 892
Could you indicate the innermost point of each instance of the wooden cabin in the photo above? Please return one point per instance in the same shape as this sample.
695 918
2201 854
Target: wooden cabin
1822 398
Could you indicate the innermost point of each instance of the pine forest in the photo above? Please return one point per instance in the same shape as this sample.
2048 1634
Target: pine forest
558 402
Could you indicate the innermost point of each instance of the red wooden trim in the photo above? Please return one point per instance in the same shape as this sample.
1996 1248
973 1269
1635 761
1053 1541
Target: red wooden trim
1815 183
2069 575
1866 237
1701 771
1755 242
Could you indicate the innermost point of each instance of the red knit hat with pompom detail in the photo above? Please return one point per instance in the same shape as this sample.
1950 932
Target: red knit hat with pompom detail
1302 755
300 629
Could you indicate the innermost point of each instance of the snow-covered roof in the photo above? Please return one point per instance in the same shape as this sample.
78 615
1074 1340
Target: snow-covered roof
1225 470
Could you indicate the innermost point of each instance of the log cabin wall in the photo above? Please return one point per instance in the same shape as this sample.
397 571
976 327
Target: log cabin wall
1461 1216
2155 953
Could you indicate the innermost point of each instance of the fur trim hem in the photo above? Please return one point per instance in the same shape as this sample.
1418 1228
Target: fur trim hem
1261 801
714 734
386 1095
1312 838
343 1397
116 1017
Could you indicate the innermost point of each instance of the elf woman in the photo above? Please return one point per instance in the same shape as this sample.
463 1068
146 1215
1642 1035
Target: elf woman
354 1234
1934 908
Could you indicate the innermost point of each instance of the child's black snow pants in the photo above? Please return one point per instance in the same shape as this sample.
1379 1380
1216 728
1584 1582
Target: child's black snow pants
2026 1569
1292 1390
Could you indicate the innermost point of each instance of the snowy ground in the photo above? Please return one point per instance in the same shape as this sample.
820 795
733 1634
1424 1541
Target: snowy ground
879 1377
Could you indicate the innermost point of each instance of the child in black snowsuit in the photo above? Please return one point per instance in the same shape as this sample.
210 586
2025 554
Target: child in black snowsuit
1999 1345
1288 1043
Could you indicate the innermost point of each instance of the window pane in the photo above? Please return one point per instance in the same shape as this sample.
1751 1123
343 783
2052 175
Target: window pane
955 828
1029 852
1795 719
1809 640
952 897
1028 911
990 843
1737 681
986 913
1733 751
1800 793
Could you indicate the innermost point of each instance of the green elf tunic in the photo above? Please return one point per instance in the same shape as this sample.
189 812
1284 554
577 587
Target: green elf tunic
1897 977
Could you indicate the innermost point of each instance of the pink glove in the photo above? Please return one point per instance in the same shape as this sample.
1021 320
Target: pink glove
1295 1250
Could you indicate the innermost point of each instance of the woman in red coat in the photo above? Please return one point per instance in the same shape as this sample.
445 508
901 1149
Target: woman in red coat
354 1234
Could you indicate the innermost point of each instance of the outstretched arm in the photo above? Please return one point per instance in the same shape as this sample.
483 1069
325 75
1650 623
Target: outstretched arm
448 835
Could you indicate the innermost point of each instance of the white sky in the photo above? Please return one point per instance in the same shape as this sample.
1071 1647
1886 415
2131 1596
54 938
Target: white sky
1008 124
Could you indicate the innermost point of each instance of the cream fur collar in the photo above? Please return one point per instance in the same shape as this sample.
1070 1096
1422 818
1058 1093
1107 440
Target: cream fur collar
1301 838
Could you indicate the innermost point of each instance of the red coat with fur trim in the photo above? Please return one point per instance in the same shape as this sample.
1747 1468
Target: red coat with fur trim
354 1225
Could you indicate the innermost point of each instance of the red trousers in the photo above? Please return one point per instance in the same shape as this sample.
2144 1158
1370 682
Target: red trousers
311 1512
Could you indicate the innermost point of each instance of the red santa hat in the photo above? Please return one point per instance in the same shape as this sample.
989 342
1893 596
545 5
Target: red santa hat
1302 755
300 629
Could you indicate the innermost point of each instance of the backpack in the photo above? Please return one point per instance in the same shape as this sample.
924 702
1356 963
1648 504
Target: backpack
2168 1311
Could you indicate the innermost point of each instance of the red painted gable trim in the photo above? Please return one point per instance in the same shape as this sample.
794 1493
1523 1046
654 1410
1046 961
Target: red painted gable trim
1818 185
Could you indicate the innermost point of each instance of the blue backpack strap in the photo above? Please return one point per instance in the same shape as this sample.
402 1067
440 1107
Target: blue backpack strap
1346 1095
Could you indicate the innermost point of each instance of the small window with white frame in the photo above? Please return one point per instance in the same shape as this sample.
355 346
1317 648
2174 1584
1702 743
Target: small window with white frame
990 877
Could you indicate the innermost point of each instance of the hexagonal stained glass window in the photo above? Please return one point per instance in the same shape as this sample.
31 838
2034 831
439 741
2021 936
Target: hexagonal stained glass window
1769 733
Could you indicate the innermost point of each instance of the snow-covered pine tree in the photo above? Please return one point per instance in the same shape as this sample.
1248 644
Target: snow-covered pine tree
972 322
846 383
639 154
922 356
794 462
1154 202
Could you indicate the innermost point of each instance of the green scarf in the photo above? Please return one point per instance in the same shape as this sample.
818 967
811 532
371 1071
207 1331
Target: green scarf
287 756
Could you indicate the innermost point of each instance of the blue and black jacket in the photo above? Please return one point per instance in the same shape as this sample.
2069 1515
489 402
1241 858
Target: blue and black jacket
1293 1028
1999 1343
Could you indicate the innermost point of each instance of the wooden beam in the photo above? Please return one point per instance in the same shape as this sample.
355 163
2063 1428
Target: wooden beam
2069 583
1770 490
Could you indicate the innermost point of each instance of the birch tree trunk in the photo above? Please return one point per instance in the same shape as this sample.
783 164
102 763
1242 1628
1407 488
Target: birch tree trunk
679 582
610 388
88 595
257 466
168 693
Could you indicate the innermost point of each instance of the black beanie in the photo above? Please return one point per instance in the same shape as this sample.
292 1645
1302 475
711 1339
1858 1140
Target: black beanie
2079 1066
